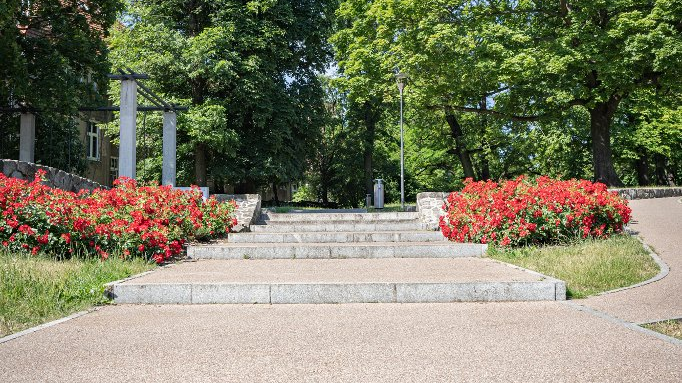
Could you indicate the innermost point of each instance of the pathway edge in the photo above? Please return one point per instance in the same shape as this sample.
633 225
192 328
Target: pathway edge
630 325
45 325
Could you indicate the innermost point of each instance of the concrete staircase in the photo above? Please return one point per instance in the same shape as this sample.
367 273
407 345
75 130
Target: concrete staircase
337 258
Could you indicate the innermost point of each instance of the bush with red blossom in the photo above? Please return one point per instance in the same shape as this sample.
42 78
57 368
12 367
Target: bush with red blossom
154 222
522 211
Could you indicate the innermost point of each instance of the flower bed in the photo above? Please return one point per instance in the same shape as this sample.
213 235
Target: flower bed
153 222
521 211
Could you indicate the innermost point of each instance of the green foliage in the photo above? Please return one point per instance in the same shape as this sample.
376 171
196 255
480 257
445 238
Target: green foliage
558 74
54 60
248 72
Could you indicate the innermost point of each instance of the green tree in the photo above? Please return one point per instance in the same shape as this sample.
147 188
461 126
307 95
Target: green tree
248 71
365 74
521 61
54 61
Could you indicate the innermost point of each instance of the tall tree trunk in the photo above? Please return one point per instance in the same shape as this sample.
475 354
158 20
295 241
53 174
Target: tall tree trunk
324 185
200 164
642 167
485 168
275 197
369 176
600 129
460 148
485 164
662 176
325 195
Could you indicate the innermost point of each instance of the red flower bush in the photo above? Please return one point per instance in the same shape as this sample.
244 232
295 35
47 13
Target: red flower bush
154 222
520 211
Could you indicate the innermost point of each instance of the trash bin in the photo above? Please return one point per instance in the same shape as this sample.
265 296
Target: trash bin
378 194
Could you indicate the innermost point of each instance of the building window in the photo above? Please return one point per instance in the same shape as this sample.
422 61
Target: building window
113 169
93 141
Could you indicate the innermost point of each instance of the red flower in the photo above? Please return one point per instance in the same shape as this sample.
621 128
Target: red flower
522 211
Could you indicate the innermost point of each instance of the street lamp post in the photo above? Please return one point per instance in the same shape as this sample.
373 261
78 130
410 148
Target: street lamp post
401 78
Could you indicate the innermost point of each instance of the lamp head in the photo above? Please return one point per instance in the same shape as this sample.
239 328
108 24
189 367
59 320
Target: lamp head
401 79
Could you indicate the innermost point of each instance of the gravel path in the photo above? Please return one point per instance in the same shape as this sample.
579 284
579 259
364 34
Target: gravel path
659 223
464 342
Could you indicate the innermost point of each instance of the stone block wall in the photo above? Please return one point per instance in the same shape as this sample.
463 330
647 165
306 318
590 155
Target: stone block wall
248 209
645 193
53 177
430 208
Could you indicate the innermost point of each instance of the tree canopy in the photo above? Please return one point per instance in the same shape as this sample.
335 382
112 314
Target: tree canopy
248 71
53 61
530 62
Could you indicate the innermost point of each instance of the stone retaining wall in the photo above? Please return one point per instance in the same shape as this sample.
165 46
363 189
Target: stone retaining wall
645 193
248 209
53 177
430 208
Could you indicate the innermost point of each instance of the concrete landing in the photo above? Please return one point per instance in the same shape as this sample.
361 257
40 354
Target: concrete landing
350 216
335 250
338 225
338 281
337 237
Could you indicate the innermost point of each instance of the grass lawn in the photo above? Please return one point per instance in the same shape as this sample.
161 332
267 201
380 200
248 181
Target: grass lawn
35 290
672 327
588 267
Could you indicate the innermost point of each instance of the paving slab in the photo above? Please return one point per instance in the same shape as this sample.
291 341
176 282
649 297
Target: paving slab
433 270
337 237
338 216
338 281
334 226
659 223
465 342
235 251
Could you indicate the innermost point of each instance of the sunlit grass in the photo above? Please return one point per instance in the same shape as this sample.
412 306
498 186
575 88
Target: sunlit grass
36 289
588 267
672 327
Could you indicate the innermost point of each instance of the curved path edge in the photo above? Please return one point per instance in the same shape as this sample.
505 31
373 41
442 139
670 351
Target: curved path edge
630 325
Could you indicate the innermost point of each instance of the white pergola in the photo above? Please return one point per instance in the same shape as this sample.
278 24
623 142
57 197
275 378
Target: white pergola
127 157
130 87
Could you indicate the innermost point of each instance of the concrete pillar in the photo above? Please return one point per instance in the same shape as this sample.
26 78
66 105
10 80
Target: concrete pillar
27 137
127 159
169 148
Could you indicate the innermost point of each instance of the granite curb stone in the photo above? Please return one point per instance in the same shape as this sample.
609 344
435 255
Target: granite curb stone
324 293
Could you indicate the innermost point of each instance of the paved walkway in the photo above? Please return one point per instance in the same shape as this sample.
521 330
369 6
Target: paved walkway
477 342
659 222
503 342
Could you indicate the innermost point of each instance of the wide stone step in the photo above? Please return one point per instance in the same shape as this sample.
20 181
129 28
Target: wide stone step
329 226
335 250
337 237
354 217
337 281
